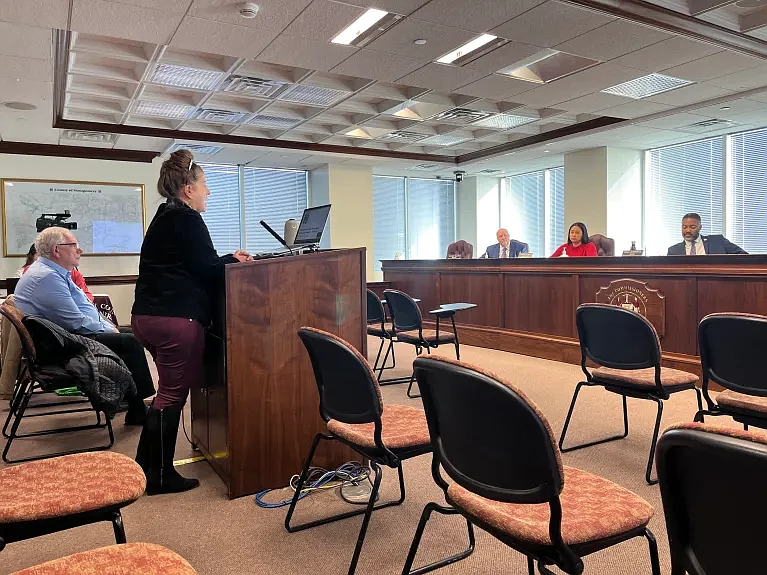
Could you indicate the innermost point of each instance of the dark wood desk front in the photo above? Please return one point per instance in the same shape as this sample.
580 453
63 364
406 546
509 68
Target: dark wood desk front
528 306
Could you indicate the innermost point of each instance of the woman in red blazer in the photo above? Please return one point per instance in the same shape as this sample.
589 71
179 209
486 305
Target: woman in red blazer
578 244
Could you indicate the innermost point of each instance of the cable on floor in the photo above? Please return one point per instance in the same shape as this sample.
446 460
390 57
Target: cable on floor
320 479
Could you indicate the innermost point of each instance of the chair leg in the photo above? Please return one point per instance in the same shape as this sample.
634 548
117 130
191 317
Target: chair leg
366 518
654 442
117 524
745 426
654 561
418 351
425 515
530 566
699 415
598 441
378 355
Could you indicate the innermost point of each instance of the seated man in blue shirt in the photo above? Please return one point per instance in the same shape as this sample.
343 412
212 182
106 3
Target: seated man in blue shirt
47 290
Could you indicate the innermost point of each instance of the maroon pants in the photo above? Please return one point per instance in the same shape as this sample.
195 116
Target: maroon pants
176 345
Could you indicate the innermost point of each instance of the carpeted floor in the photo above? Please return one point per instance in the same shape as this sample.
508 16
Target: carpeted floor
219 536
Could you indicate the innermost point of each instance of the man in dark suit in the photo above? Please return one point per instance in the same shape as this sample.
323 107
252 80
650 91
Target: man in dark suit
695 244
506 247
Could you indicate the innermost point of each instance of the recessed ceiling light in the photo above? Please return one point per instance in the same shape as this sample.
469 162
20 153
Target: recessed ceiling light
504 121
420 42
469 47
645 86
359 26
547 66
20 106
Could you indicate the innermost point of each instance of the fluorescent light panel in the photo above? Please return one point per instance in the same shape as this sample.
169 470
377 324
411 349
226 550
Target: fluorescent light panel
313 95
547 66
161 109
196 148
466 49
184 76
504 121
361 25
646 86
444 140
273 122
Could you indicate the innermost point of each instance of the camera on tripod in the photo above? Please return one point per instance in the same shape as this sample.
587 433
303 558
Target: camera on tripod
55 220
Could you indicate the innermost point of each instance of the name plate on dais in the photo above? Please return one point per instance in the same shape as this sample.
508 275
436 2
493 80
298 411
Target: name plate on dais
638 297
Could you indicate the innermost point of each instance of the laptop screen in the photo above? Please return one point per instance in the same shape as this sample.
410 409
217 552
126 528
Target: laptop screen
312 225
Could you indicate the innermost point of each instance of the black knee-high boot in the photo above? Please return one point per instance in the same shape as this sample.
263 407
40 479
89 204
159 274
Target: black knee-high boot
156 449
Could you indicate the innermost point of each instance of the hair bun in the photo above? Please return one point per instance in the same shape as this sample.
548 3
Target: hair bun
181 158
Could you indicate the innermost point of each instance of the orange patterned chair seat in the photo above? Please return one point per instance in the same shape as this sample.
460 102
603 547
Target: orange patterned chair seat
742 401
593 508
375 329
429 335
133 558
670 378
68 485
401 426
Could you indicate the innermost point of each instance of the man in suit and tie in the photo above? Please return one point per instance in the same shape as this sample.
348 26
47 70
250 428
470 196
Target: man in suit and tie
695 244
506 247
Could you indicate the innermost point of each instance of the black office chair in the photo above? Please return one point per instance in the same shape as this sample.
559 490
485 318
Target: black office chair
627 347
505 474
377 326
712 485
408 328
352 407
732 354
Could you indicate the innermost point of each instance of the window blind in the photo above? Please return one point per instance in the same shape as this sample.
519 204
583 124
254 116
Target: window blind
556 198
746 214
388 218
273 196
523 210
430 218
684 178
222 215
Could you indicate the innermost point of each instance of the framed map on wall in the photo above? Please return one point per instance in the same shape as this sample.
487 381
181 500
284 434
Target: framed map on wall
109 216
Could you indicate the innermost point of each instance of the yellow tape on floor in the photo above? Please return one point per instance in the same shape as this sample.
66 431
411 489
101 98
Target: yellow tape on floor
194 459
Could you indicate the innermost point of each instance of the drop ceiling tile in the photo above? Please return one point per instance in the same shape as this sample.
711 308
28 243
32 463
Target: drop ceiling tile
123 21
634 109
20 131
26 68
323 19
478 15
503 56
25 41
396 6
735 107
714 66
174 6
439 39
756 118
42 13
128 142
37 93
593 103
441 77
612 40
305 53
377 65
761 97
689 95
550 24
235 156
220 38
676 121
744 80
495 87
672 52
273 15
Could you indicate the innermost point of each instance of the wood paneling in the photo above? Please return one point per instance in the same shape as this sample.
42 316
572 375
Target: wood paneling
480 288
422 285
540 304
732 294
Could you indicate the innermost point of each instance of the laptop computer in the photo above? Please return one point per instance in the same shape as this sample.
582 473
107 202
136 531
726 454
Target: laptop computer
312 225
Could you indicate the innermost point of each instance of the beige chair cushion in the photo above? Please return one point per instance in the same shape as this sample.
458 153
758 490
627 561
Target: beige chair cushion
68 485
742 401
133 558
429 335
592 508
401 426
645 377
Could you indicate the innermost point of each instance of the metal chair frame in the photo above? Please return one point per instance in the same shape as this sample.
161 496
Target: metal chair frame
377 315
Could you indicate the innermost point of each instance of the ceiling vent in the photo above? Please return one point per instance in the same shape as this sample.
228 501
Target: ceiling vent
185 77
504 121
647 86
424 167
403 136
460 116
161 109
708 126
196 148
490 172
273 122
313 95
445 140
220 116
249 86
86 136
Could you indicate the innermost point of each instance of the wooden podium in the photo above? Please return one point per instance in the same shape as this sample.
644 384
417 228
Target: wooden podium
259 413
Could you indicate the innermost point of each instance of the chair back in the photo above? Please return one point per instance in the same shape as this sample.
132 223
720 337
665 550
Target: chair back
712 486
460 250
605 246
732 352
405 314
487 436
347 387
375 308
15 317
616 337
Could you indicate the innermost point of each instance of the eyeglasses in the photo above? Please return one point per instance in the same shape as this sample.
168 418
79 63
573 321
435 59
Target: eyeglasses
77 245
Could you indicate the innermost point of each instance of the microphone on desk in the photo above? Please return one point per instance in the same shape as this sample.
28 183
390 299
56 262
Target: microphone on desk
277 236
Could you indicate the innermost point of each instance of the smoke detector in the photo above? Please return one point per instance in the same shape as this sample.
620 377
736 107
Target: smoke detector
248 10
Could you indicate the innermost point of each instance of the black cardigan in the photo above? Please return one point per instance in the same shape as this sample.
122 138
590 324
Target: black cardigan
179 270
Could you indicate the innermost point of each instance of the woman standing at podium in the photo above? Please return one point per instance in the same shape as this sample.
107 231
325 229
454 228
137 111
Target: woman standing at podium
178 271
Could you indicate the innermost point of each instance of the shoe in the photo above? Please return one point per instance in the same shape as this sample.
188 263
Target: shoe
136 414
156 450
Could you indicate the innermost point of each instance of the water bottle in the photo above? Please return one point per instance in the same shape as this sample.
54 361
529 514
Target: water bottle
633 246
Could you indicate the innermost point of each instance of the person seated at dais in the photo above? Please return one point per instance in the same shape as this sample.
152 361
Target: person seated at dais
578 244
695 244
47 290
506 247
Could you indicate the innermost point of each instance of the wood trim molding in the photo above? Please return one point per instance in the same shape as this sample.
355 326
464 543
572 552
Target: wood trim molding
677 23
32 149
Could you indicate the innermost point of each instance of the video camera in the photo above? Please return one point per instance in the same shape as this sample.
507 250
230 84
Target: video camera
55 220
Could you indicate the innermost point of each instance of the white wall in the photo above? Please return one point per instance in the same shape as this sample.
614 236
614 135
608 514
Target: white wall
586 189
624 197
466 211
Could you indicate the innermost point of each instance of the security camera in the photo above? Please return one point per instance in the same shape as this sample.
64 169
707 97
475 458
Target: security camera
459 175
